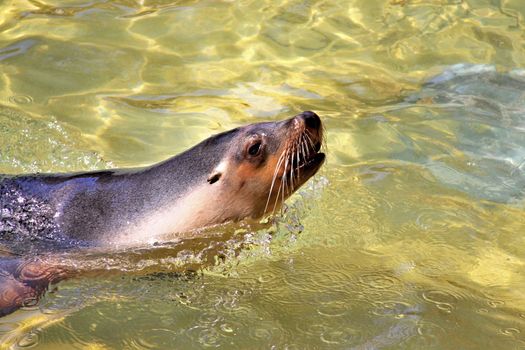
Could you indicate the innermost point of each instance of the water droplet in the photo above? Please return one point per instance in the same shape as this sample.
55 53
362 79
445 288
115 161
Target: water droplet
337 336
495 303
333 309
208 337
430 335
378 281
21 99
262 333
28 340
226 328
209 318
510 331
266 278
444 300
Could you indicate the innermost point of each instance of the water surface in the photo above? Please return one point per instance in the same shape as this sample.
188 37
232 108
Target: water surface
411 237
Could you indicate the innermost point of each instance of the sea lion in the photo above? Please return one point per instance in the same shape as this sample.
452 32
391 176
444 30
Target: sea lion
244 173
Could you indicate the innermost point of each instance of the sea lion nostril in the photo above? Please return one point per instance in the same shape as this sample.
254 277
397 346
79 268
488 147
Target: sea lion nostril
311 119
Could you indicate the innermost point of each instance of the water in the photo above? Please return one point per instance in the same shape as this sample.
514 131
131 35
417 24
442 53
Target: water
410 237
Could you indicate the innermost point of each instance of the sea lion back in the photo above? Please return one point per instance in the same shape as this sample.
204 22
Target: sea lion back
32 211
24 217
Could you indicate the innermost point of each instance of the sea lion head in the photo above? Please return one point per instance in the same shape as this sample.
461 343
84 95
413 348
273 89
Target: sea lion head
264 164
246 172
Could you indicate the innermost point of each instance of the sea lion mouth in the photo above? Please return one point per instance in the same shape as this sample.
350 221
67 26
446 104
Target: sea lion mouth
308 158
307 146
313 161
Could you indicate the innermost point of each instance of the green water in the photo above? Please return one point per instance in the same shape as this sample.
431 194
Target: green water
412 235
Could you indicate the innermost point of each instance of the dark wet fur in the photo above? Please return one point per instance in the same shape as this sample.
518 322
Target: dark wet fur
50 211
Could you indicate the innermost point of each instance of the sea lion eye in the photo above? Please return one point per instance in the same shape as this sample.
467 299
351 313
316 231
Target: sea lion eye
255 149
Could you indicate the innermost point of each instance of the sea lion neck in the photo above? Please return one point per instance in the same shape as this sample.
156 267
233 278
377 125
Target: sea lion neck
191 167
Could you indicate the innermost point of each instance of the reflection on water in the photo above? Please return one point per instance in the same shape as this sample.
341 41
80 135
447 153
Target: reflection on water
32 144
487 111
409 238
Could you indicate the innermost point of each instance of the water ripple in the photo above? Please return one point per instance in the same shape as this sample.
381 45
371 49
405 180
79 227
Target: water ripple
378 281
28 340
444 300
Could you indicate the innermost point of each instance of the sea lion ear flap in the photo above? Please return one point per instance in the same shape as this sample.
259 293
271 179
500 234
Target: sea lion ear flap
214 177
217 173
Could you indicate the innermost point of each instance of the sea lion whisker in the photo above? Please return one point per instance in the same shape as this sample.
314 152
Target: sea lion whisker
282 194
292 152
292 173
276 171
277 196
289 173
286 171
277 167
298 159
309 140
302 155
289 160
274 177
284 178
302 144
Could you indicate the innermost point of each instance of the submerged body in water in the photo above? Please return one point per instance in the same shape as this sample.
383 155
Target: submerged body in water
243 173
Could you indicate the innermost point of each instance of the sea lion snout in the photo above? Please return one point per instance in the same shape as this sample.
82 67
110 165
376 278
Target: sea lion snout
308 122
310 119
